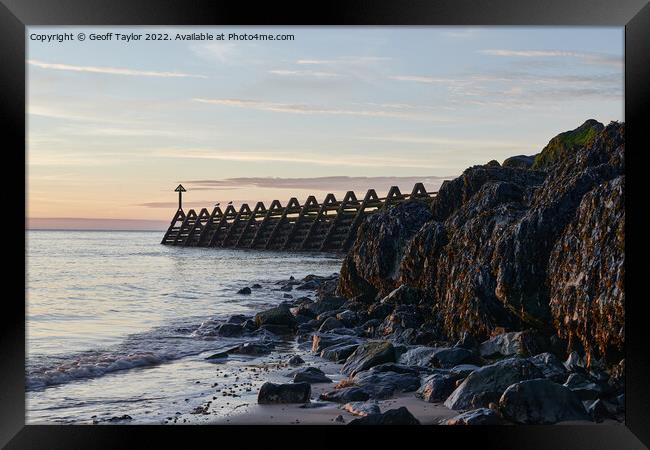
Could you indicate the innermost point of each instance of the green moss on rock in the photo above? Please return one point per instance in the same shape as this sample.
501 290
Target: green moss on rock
564 143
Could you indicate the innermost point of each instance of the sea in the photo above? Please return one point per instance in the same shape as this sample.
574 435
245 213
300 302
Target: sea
118 326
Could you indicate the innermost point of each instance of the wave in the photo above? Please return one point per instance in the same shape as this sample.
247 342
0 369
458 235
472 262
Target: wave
148 349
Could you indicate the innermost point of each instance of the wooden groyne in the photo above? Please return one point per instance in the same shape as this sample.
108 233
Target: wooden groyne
329 226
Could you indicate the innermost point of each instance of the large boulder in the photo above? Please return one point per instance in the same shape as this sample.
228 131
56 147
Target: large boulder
550 366
447 358
321 341
372 264
271 393
399 416
280 315
541 401
587 292
437 387
519 343
382 385
338 352
419 356
486 384
367 355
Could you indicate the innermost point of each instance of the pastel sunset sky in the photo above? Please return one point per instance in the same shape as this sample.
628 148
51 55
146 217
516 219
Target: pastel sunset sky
113 127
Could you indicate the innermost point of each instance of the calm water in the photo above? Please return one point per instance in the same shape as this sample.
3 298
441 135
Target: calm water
119 324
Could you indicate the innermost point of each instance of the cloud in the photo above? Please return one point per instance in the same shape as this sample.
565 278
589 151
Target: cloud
347 60
297 108
448 142
325 184
111 70
422 79
304 73
186 204
587 57
298 157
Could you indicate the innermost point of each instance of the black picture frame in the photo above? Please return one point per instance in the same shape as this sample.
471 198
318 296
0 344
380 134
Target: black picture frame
634 15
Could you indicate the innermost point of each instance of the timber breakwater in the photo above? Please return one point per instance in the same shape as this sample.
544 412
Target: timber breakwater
329 226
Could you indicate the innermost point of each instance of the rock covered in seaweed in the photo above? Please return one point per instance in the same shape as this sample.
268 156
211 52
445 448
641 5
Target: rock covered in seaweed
493 255
372 264
587 296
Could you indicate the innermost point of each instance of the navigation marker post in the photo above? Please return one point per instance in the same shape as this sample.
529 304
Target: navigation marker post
180 189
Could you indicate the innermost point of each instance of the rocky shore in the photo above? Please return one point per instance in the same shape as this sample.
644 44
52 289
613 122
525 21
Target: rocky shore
502 302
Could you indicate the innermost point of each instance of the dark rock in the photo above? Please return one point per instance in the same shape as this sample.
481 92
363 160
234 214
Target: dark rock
218 356
330 324
309 375
339 419
519 162
598 411
338 353
253 348
295 360
585 389
271 393
575 363
520 343
279 315
230 330
467 341
249 325
403 295
287 296
382 385
398 368
450 357
286 288
493 163
361 408
256 286
437 387
300 319
237 319
480 416
462 370
308 286
347 317
325 304
399 416
418 356
404 317
371 266
321 341
120 418
488 383
367 355
327 288
244 291
541 401
379 311
346 395
550 366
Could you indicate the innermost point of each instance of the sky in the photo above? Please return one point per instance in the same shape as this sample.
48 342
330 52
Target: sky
113 126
